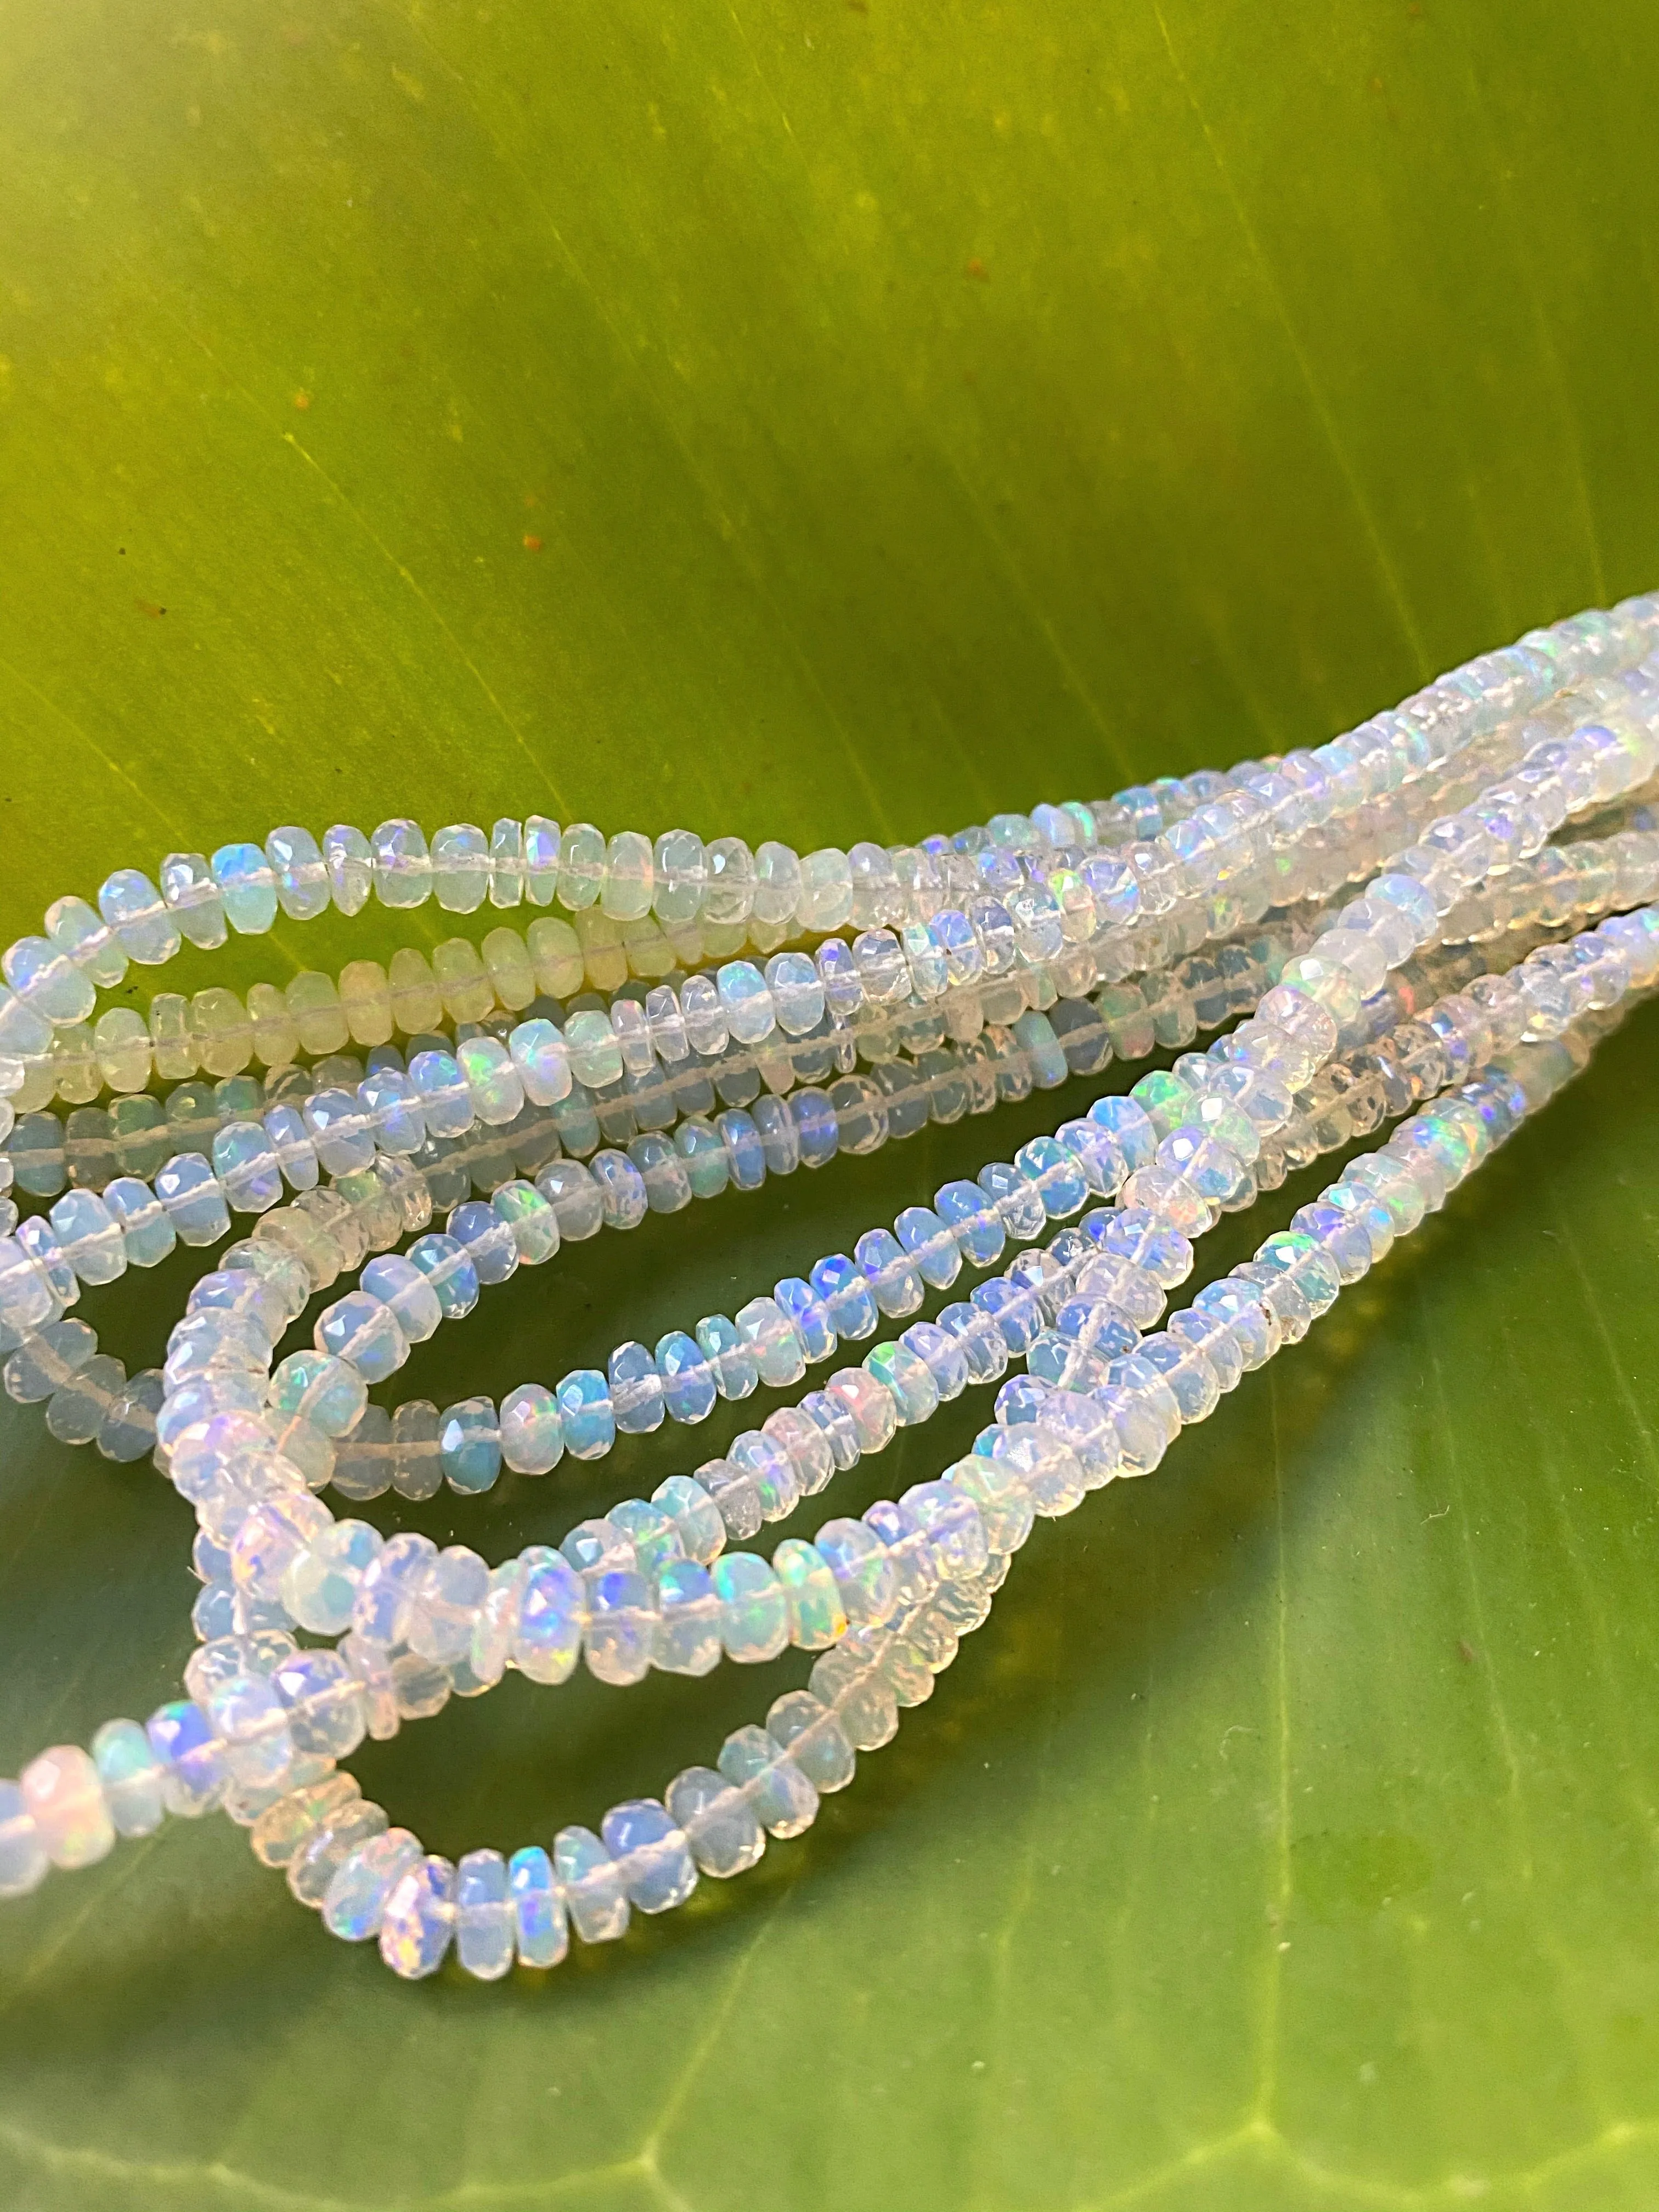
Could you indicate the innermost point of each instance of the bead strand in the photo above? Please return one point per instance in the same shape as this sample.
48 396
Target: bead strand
644 1852
1018 914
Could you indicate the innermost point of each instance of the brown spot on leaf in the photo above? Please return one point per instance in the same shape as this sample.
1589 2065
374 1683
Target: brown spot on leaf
302 401
1465 1651
532 544
148 607
977 271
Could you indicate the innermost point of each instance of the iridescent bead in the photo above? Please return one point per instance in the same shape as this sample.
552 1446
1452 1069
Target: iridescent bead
731 1358
23 1861
697 1519
806 1726
63 1796
847 1297
552 1616
542 1061
1019 1202
592 1885
89 1237
532 1436
865 1574
687 1378
908 1379
872 1410
449 1267
487 1067
470 1445
189 1190
418 1920
1000 1490
530 1221
242 891
707 1167
79 933
622 1625
816 1130
687 1637
131 1775
782 1797
38 1158
652 1857
360 1329
780 1356
745 1154
667 1187
484 1922
539 1912
326 1705
797 993
192 1759
320 1583
754 1607
622 1189
320 1390
717 1821
489 1241
585 1413
446 1102
354 1902
134 910
47 981
816 1614
1049 1470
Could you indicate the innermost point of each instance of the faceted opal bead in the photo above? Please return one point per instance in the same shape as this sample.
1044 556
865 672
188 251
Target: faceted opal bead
540 1928
417 1921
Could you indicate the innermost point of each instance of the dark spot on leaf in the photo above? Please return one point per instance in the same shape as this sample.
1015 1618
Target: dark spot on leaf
302 400
1465 1651
532 544
977 271
147 607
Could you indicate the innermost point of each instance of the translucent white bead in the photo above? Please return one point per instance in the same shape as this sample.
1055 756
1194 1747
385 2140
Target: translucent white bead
777 884
89 941
133 908
47 981
64 1797
402 865
630 877
23 1861
247 887
130 1776
349 862
826 890
460 867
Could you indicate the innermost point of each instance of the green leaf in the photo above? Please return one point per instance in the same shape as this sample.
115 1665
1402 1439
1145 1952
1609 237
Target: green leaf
823 423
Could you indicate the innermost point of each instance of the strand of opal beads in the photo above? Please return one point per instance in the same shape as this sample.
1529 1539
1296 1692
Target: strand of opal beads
1595 752
91 1395
889 1595
1032 886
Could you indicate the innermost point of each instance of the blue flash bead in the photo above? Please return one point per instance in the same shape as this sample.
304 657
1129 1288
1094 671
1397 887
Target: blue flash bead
470 1445
816 1128
539 1923
447 1266
810 1316
485 1923
847 1297
688 1380
974 1220
585 1413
